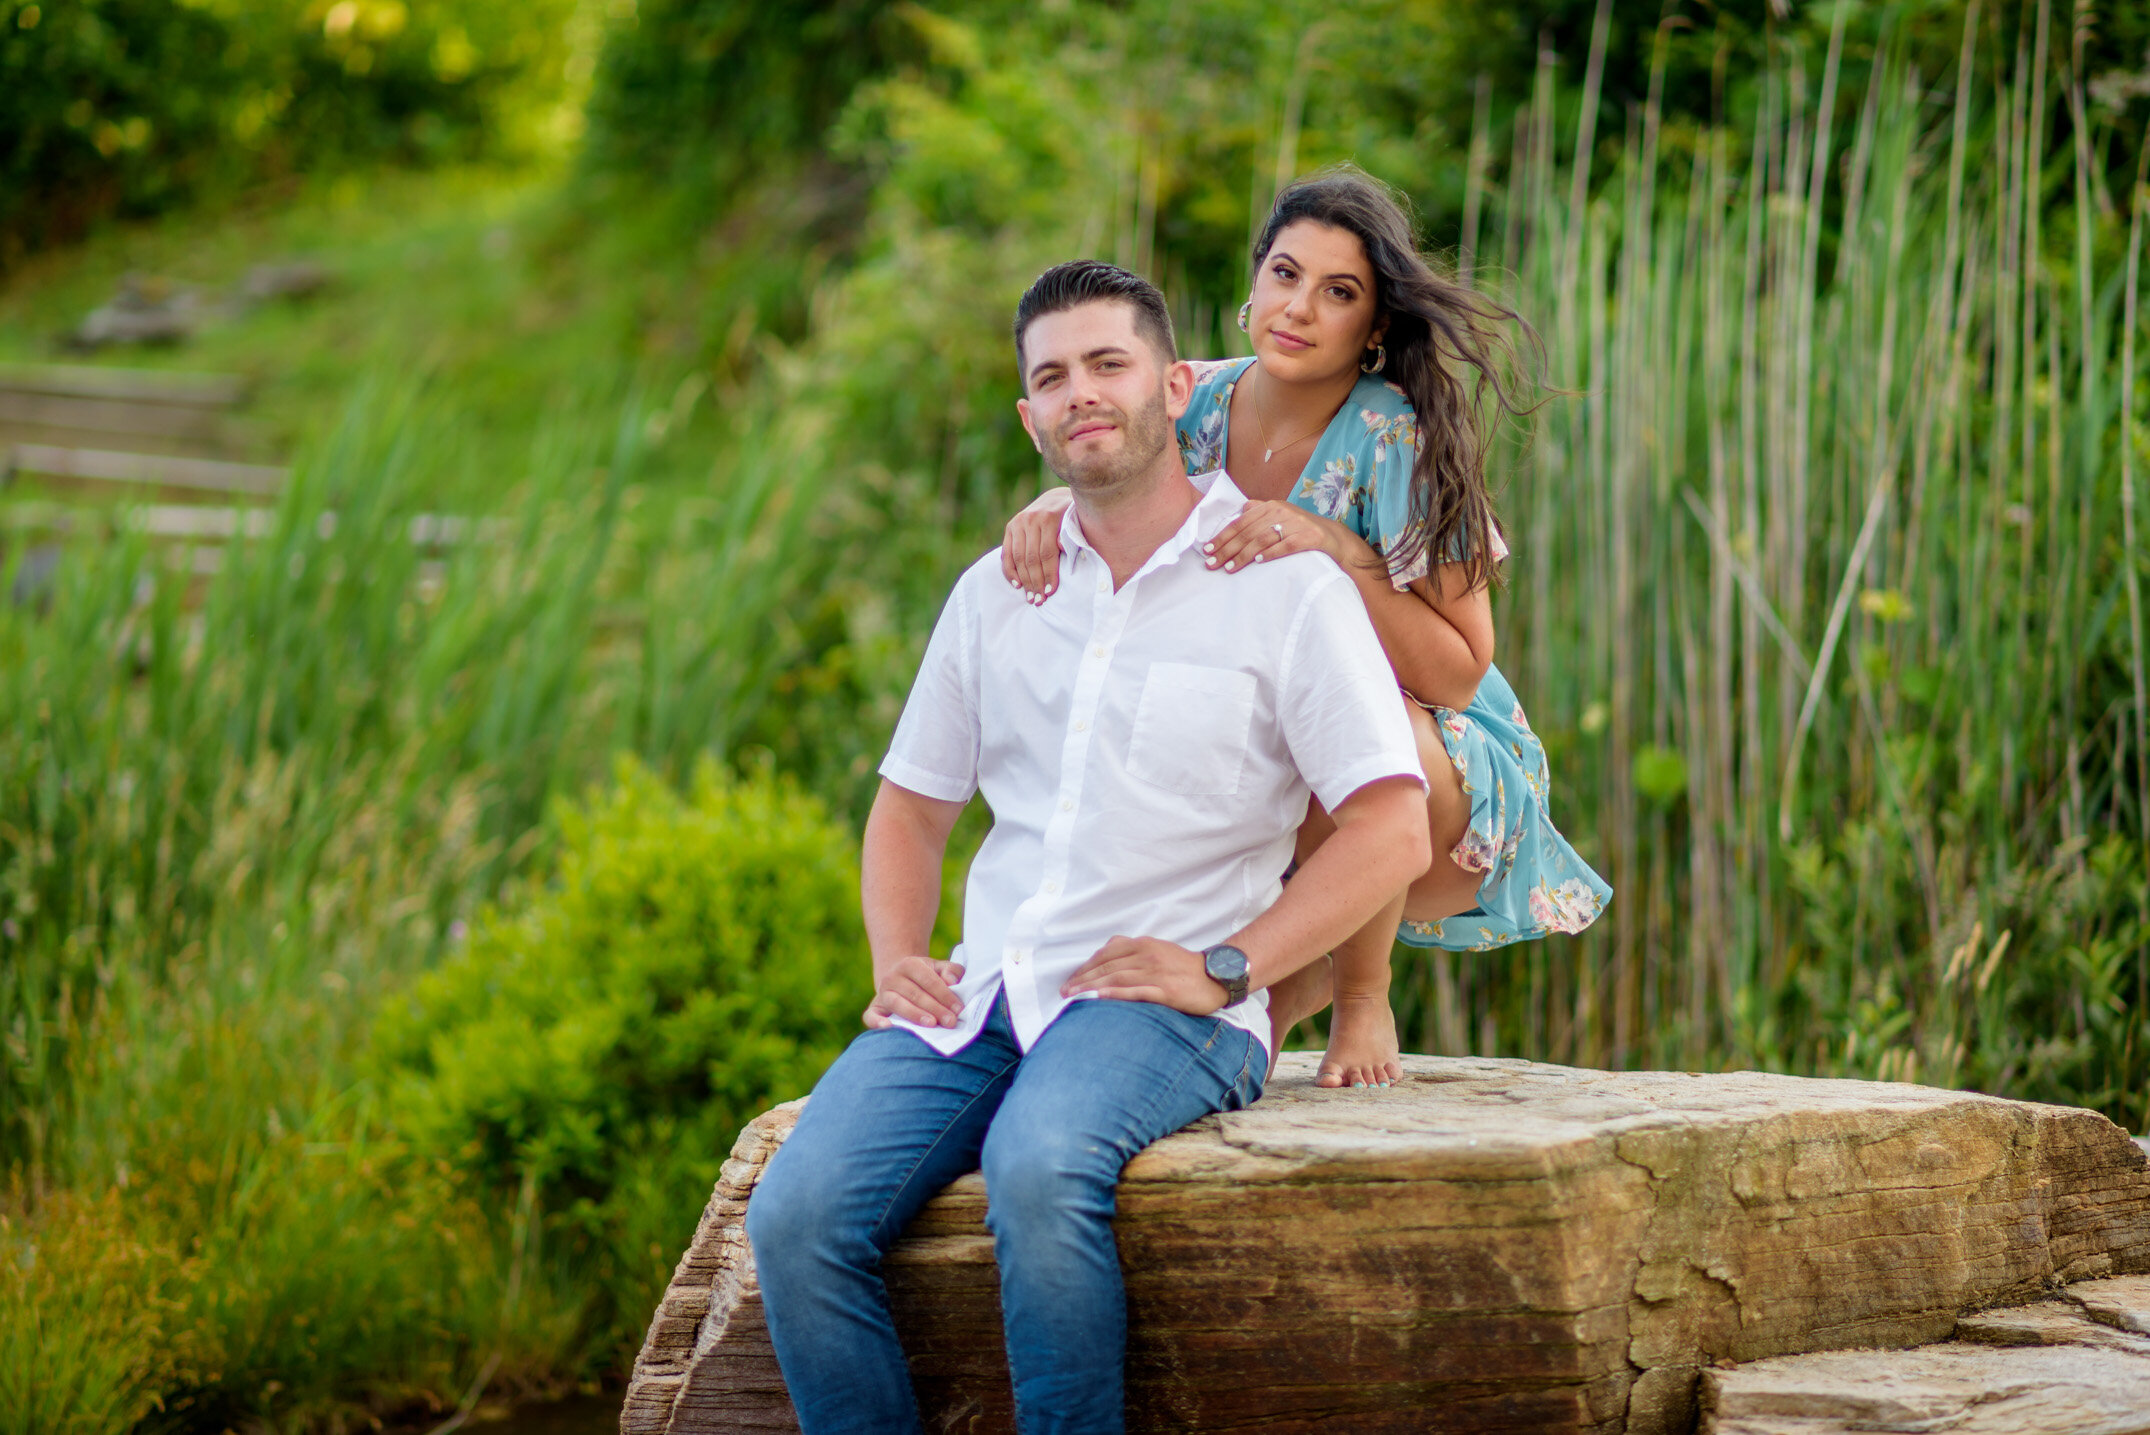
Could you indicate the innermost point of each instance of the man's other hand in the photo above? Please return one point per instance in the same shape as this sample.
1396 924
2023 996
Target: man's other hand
1149 969
920 990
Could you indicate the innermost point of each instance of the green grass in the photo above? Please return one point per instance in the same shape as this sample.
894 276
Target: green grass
487 283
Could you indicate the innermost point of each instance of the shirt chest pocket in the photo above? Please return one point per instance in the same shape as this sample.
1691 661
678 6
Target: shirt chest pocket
1191 725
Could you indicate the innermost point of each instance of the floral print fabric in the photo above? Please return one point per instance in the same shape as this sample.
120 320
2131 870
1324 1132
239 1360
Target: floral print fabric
1360 471
1359 474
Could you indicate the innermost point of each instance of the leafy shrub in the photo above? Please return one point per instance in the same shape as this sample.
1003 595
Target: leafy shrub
603 1038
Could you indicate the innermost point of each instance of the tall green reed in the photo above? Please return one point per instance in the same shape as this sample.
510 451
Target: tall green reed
182 754
1826 589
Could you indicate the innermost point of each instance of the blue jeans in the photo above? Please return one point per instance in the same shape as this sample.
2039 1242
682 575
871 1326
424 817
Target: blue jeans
893 1121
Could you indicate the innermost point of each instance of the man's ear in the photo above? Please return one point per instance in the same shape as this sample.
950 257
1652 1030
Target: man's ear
1179 388
1022 411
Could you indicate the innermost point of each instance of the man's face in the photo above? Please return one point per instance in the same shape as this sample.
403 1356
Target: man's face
1099 400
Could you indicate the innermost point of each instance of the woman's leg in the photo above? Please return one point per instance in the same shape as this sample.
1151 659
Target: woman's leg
1446 889
1363 1048
1306 991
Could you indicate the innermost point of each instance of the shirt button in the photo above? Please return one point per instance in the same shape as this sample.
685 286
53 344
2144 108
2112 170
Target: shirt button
1066 805
1081 726
1098 651
1052 886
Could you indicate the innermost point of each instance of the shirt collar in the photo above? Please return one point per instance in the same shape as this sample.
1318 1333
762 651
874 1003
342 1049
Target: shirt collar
1220 503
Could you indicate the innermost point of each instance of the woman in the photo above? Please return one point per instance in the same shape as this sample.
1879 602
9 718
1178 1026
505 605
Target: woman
1352 433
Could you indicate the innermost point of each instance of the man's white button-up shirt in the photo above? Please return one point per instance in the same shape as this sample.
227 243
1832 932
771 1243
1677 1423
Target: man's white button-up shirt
1146 752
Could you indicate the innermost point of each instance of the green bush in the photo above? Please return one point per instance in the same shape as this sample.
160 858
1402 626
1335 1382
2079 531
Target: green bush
603 1038
719 88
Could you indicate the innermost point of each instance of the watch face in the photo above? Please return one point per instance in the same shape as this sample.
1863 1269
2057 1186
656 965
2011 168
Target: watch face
1226 964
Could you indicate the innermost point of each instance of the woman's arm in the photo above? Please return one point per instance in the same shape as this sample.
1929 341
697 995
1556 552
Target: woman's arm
1438 633
1030 545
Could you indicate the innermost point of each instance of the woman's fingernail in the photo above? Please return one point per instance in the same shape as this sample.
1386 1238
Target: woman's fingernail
1209 563
1227 565
1015 583
1257 557
1048 587
1209 548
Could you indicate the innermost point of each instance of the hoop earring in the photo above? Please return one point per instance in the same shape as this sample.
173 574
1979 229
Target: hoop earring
1246 311
1381 359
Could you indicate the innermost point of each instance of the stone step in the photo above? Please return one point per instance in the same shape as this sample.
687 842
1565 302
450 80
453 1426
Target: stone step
2078 1364
170 471
140 386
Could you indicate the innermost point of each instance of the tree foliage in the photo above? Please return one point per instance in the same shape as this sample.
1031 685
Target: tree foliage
125 107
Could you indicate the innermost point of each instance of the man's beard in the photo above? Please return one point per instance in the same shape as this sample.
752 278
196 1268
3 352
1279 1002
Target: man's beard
1144 435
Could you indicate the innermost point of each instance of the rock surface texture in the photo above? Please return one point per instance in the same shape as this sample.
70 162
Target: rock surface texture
1489 1245
2075 1365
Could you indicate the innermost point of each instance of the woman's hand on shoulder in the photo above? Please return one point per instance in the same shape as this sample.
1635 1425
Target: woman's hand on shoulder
1270 528
1030 545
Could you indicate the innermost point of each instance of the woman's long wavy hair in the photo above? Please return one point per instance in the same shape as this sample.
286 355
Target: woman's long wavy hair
1438 327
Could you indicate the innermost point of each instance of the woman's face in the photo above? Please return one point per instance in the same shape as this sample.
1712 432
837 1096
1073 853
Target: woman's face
1313 315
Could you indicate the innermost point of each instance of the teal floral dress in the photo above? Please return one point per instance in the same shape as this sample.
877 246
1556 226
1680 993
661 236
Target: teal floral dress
1360 475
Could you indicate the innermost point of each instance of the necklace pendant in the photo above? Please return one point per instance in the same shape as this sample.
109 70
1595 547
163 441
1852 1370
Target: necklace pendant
1267 453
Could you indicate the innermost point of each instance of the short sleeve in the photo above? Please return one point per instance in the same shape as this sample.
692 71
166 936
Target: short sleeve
935 750
1459 550
1342 715
1394 439
1201 430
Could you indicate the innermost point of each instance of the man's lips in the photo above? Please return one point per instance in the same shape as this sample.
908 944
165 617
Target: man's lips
1086 429
1289 341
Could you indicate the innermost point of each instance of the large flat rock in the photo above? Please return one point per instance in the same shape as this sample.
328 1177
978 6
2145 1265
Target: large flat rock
1490 1245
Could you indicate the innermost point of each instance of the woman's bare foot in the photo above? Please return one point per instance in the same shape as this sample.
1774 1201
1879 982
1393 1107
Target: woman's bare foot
1363 1050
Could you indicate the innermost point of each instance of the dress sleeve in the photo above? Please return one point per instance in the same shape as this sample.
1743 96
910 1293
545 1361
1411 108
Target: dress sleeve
1201 429
1391 451
1394 440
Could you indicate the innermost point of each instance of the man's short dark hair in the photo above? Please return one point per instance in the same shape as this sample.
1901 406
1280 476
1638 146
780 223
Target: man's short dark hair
1082 281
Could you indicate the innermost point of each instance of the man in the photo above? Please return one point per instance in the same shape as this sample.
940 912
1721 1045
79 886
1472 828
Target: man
1147 742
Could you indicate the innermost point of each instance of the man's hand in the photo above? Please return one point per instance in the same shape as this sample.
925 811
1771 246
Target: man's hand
917 989
1149 969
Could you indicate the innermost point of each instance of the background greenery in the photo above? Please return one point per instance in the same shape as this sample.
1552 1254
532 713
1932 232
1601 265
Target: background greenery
368 1032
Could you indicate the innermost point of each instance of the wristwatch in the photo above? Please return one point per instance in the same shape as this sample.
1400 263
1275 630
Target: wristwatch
1227 967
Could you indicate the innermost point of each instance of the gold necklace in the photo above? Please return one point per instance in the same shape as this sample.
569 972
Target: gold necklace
1269 449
